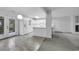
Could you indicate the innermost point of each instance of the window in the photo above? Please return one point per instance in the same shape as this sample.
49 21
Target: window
39 23
77 28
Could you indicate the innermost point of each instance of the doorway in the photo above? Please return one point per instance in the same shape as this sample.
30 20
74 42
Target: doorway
1 25
76 28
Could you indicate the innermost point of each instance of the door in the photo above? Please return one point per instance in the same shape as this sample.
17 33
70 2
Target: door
1 25
12 27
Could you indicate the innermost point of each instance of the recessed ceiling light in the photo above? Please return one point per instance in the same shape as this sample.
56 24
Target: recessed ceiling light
37 17
19 16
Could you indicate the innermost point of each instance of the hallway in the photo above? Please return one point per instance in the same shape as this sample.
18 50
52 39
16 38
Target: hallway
61 42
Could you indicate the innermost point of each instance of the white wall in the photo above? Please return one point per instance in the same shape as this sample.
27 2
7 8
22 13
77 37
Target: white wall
24 27
62 24
64 14
20 30
28 26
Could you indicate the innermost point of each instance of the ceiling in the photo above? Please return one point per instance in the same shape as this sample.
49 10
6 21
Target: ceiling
28 11
66 11
38 11
31 11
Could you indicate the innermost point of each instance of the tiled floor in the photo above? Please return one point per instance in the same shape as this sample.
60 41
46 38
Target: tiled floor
61 42
21 43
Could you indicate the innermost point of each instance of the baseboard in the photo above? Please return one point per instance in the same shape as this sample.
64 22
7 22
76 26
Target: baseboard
7 37
42 37
62 32
25 34
58 32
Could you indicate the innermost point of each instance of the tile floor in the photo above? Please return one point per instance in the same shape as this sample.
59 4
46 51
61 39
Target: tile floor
21 43
61 42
